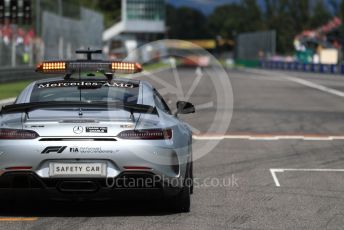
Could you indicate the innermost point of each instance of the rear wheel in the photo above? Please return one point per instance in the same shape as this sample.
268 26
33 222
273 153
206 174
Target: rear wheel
191 178
182 202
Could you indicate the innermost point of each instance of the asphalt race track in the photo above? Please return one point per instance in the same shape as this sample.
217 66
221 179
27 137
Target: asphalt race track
282 161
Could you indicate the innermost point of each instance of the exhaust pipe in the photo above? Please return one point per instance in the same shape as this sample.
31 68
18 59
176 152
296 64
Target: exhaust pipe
78 186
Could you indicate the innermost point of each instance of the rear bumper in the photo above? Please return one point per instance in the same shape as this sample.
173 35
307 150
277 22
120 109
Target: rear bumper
160 157
127 185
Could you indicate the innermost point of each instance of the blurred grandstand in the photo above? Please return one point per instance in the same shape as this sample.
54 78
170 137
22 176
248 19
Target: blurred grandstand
19 46
59 29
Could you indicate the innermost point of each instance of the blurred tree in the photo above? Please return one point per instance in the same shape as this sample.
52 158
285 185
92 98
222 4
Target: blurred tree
300 13
320 15
341 30
335 6
229 19
186 23
288 18
341 9
111 9
253 14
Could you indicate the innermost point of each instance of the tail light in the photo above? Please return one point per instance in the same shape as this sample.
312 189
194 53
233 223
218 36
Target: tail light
15 134
147 134
19 168
126 67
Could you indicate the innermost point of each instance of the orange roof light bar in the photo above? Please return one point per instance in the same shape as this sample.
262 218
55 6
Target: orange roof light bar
51 67
60 67
126 67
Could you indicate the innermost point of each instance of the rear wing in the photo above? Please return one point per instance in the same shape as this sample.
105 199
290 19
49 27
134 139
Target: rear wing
27 107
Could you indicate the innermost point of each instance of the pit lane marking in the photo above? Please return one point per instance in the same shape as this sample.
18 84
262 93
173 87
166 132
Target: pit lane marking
280 170
268 137
16 219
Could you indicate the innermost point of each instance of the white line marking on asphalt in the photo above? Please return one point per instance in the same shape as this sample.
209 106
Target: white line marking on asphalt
258 78
316 86
274 177
269 137
14 219
280 170
299 81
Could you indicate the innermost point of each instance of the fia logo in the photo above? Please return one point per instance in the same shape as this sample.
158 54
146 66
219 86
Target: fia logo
74 150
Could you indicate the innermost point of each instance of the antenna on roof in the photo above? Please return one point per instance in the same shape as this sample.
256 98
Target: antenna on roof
89 53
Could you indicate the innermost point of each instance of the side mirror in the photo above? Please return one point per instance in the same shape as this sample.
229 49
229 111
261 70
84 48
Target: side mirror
184 107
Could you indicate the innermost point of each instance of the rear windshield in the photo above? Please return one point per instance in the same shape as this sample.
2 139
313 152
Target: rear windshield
101 91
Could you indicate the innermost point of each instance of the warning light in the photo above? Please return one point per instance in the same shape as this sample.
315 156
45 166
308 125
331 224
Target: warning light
71 67
108 68
51 67
126 67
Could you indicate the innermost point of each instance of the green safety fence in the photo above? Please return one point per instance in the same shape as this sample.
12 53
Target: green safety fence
247 63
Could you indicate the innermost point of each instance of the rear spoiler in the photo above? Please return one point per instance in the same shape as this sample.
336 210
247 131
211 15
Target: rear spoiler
27 107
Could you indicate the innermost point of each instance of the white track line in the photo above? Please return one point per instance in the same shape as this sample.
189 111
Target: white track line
274 177
269 137
316 86
280 170
299 81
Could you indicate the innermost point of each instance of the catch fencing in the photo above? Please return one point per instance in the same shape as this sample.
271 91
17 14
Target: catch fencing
59 36
62 36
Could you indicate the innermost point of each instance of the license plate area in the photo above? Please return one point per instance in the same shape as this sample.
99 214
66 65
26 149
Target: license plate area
77 169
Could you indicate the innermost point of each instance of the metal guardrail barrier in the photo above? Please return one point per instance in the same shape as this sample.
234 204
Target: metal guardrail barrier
303 67
18 74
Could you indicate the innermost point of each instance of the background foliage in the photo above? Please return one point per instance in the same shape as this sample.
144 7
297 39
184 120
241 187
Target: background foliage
287 17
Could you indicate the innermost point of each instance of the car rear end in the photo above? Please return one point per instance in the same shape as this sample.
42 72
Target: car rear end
87 164
82 138
60 149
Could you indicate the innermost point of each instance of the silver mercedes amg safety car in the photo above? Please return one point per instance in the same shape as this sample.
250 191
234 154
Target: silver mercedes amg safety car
92 135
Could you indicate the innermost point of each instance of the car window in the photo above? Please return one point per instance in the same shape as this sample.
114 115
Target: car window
160 102
86 90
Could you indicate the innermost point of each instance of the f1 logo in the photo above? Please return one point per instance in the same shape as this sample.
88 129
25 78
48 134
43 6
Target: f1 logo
53 149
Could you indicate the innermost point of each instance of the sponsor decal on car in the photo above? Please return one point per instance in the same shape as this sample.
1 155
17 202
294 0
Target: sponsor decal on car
78 129
96 130
53 149
99 84
90 150
129 126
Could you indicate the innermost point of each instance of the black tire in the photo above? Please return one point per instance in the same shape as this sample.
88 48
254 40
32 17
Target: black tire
191 178
182 201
